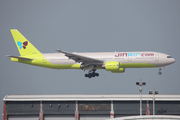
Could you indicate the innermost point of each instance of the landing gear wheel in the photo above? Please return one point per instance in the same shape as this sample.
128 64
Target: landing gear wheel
159 73
97 74
86 75
90 75
93 74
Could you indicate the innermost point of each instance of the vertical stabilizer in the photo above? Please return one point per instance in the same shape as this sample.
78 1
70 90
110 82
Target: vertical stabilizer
23 45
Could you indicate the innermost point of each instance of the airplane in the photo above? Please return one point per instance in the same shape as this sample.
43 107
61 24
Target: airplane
115 62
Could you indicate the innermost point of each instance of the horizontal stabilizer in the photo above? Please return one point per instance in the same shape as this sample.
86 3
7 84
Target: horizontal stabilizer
23 58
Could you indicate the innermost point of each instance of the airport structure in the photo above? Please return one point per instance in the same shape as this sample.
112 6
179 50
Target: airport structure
86 107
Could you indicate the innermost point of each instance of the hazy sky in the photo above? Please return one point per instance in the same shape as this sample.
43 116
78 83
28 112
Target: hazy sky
89 26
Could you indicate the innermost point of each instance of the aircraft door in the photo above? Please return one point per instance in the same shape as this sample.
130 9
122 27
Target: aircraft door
156 58
44 60
129 59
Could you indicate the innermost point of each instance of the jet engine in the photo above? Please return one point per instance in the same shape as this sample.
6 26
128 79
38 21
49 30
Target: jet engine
114 67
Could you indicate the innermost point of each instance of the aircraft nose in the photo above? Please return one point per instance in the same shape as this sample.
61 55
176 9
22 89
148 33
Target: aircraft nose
173 60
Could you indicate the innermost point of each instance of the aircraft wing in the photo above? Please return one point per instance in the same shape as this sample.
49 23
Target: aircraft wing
79 58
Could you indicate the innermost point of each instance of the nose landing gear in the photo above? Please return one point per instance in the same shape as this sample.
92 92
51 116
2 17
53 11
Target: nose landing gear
160 71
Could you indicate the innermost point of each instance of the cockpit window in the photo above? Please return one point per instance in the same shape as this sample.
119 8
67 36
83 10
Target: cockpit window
169 56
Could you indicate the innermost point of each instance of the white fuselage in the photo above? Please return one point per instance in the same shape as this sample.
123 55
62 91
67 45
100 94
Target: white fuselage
154 58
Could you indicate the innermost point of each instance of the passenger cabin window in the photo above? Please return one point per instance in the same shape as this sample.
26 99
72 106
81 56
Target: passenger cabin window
169 56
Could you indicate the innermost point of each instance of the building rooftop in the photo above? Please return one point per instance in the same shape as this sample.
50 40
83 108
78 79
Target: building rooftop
91 97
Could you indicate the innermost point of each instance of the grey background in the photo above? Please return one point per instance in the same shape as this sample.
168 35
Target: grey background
89 26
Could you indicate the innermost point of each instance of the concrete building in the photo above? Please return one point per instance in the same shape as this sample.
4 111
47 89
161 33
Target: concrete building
86 107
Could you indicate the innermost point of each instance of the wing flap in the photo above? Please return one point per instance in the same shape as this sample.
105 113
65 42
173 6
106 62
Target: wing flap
23 58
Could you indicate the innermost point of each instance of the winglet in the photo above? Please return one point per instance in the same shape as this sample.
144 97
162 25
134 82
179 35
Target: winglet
58 50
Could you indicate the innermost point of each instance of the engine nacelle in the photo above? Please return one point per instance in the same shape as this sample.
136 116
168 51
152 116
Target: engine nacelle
114 67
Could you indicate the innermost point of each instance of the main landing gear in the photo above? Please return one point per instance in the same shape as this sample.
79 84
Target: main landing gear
93 74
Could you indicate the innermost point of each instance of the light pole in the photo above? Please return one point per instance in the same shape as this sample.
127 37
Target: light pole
140 90
153 92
